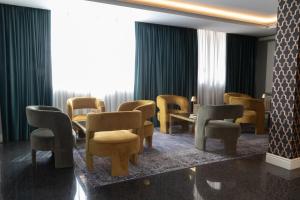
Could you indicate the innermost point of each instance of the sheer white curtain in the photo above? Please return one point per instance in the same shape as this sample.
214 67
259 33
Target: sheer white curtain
93 50
211 67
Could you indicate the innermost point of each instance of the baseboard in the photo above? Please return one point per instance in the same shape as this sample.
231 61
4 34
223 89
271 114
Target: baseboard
285 163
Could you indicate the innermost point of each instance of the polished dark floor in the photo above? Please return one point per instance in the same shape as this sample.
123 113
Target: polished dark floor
243 179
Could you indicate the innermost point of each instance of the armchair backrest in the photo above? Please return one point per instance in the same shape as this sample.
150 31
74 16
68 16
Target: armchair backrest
164 100
248 103
111 121
53 119
228 95
128 106
147 107
219 112
84 103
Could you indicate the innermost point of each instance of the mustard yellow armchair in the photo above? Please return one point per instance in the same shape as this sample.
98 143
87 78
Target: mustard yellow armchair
164 102
108 134
234 94
254 112
83 103
147 107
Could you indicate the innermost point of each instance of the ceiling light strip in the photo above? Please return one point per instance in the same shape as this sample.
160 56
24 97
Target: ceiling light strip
207 11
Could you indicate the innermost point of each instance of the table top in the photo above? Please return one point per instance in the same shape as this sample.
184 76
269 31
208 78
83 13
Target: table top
185 116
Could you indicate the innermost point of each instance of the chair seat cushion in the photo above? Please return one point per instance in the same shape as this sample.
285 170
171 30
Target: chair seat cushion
42 139
79 118
249 116
108 143
114 137
221 124
148 123
42 133
222 129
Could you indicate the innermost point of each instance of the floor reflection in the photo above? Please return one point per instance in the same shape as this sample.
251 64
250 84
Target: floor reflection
248 178
80 193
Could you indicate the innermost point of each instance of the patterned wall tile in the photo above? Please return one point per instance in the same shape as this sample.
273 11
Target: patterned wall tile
284 139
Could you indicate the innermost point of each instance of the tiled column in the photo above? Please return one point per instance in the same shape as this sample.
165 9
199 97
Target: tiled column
284 136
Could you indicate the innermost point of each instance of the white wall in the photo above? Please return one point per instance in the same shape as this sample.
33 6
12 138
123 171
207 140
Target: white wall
264 65
270 65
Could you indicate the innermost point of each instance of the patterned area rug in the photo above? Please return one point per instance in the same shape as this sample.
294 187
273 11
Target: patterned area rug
169 153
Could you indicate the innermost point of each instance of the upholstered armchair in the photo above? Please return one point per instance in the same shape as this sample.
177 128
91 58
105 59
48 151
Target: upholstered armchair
254 112
108 134
147 107
234 94
83 103
211 124
54 133
165 103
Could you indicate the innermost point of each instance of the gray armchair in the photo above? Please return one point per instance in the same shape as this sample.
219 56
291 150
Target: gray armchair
211 124
54 133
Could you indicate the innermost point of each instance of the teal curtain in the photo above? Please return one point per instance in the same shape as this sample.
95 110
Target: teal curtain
25 64
166 61
240 64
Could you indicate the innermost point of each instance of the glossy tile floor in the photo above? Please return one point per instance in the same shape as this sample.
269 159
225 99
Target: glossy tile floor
243 179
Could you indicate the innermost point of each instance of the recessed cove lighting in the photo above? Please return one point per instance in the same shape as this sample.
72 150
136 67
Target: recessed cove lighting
210 11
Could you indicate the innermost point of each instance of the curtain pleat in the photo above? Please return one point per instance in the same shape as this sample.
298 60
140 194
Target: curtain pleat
25 64
211 67
111 101
166 61
240 64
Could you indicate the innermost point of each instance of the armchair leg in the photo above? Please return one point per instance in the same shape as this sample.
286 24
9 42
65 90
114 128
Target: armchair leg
89 161
33 157
164 127
230 146
119 165
134 159
63 158
259 130
149 141
201 144
141 144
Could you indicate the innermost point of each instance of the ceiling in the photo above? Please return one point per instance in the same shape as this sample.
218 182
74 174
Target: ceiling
174 18
263 7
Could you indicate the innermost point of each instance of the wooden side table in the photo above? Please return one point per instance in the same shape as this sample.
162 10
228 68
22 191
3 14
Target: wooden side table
183 117
267 120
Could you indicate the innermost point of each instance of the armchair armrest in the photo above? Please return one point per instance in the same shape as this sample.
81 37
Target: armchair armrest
127 106
148 111
70 108
183 103
162 104
100 105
